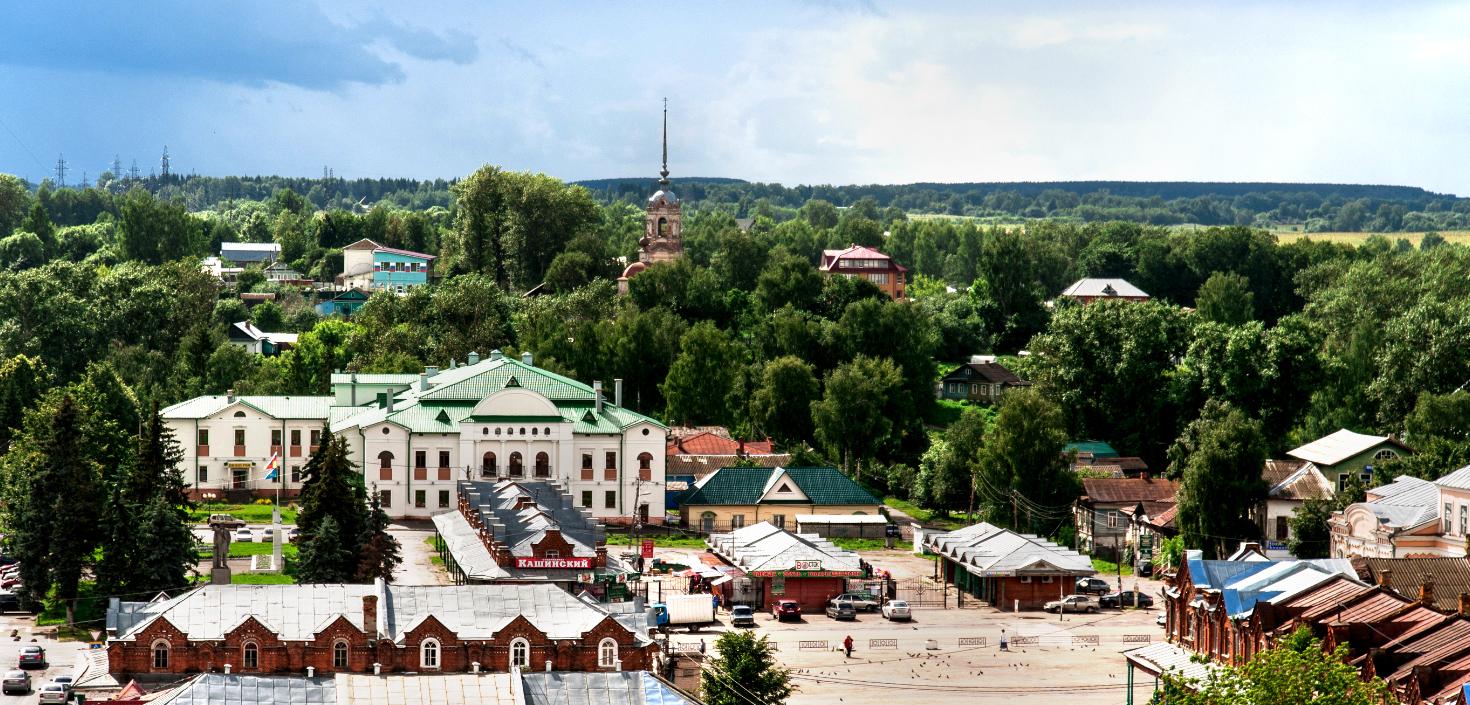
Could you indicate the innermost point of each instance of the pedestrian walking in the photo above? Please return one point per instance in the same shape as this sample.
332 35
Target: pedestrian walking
701 647
1005 642
847 645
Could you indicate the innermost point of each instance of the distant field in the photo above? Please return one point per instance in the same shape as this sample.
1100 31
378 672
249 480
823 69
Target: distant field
1460 237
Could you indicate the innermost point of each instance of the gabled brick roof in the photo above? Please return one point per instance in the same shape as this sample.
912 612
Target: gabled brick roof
1127 489
741 486
711 443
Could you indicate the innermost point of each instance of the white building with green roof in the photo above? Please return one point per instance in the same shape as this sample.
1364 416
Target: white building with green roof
415 436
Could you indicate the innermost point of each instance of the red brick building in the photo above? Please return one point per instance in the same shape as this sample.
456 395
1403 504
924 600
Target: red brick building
1007 569
867 263
351 628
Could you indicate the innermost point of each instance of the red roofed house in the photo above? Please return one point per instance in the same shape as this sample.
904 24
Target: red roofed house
700 450
1100 519
869 264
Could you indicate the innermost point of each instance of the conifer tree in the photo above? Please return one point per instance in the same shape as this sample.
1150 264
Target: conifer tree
325 556
333 489
380 551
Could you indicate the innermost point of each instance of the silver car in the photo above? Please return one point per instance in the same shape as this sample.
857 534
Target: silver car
897 610
53 693
16 682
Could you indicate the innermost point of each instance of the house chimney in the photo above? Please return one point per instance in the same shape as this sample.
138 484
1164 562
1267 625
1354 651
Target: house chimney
526 358
377 669
424 381
548 665
1426 593
618 391
474 357
389 405
597 395
229 396
1465 604
227 669
431 370
496 354
474 667
370 614
1385 579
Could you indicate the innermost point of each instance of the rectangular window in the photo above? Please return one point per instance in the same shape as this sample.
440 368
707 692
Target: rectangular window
612 461
202 476
296 473
610 499
586 498
276 440
443 458
203 442
1025 578
295 436
779 520
1464 520
586 461
1449 520
316 440
1112 520
385 498
1281 528
419 499
443 499
737 521
239 441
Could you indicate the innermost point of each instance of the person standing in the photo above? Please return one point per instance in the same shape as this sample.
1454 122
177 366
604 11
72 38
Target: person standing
1005 642
847 645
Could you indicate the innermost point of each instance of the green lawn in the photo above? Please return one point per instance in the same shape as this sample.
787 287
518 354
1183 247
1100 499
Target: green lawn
262 579
864 544
1107 568
924 516
249 513
91 608
659 541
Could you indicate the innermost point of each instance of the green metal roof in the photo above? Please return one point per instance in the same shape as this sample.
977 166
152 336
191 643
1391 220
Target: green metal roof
480 380
277 407
746 485
1098 449
365 378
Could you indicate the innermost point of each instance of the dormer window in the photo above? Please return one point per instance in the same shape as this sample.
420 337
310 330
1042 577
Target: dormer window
784 488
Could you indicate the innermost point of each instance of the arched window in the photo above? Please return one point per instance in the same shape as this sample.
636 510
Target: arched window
1385 454
520 653
707 522
663 227
517 468
385 466
497 430
523 430
535 430
607 653
429 654
546 431
645 466
160 655
250 656
239 414
487 465
339 655
543 465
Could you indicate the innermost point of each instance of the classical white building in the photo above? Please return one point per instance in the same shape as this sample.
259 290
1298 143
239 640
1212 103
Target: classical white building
414 436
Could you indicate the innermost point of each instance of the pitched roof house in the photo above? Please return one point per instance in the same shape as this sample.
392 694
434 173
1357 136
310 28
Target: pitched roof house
1291 482
979 381
867 263
1007 569
1093 289
734 497
1098 514
1342 454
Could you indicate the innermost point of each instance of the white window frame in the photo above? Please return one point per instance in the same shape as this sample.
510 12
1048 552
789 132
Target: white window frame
341 646
246 662
607 653
160 646
429 654
524 659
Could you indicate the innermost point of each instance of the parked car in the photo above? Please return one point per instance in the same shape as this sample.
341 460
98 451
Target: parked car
32 657
1144 569
243 535
897 610
1093 586
292 534
783 610
1127 598
57 693
10 602
267 535
742 616
859 600
1162 620
10 584
16 682
841 610
1073 603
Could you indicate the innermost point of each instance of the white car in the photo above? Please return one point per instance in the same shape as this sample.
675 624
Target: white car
244 535
897 610
53 693
267 535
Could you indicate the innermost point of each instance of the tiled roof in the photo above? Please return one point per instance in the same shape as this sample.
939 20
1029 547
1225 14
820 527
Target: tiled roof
1451 576
276 407
741 486
1103 287
1338 446
991 372
989 550
1127 489
711 443
701 466
764 547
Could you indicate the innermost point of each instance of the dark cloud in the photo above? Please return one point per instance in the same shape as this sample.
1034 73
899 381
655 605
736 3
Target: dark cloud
249 43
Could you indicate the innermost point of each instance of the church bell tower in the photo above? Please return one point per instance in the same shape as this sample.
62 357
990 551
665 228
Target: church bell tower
663 221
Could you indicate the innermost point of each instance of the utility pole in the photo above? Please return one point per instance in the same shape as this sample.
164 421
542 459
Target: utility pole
133 171
117 172
60 171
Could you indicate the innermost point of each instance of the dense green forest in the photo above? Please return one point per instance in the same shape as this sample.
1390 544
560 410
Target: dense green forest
1249 346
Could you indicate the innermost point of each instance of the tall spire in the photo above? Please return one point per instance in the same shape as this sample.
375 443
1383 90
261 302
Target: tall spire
663 175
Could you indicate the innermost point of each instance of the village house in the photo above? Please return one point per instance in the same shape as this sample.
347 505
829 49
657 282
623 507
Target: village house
281 273
527 531
1149 524
362 628
1342 455
1099 514
415 436
984 382
1291 483
1089 290
258 342
1407 518
869 264
341 303
369 266
519 687
1006 569
732 498
243 253
696 451
776 564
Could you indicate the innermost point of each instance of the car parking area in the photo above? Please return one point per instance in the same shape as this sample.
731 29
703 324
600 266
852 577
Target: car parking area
18 631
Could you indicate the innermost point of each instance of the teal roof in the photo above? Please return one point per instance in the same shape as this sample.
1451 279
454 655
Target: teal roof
480 380
747 485
277 407
1098 449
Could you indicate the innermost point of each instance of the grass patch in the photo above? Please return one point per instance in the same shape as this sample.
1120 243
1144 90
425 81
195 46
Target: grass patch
850 544
927 517
1105 568
1357 238
262 579
927 556
944 412
659 541
248 513
73 634
91 608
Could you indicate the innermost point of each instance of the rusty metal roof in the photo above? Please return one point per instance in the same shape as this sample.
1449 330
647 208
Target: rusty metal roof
1127 489
1451 576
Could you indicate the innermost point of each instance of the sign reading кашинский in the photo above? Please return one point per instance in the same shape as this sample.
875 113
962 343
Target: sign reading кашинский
553 563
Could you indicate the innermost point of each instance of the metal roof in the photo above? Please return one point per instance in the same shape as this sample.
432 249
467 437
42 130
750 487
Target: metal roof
1405 503
1295 480
486 688
1243 583
599 688
1127 489
1103 287
239 689
373 378
764 547
841 519
1459 479
497 502
1166 658
990 551
741 486
428 689
286 407
1338 446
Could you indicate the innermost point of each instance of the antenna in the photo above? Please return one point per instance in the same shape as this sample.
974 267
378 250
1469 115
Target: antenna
60 171
133 171
165 163
117 172
664 174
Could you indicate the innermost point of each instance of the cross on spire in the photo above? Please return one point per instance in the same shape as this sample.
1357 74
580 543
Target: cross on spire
663 179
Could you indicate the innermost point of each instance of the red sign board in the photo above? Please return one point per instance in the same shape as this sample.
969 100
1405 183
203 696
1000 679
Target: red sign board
646 548
573 563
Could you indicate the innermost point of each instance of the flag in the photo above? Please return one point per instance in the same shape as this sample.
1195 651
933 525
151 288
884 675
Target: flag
273 468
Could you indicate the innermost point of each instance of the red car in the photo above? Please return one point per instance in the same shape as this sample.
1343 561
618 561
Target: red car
786 609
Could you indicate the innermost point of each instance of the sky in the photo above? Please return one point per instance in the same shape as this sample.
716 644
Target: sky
821 91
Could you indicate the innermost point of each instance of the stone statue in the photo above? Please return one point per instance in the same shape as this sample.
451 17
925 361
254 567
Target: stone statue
223 525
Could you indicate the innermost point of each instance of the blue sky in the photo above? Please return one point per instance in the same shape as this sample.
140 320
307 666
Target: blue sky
803 92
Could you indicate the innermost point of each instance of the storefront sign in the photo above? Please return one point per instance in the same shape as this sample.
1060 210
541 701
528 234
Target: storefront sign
553 563
646 548
676 485
807 574
806 565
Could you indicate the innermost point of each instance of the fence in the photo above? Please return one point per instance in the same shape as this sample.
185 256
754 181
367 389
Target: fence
812 645
923 592
883 643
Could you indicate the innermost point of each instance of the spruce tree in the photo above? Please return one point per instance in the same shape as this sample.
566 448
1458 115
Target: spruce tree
166 552
333 489
324 557
380 551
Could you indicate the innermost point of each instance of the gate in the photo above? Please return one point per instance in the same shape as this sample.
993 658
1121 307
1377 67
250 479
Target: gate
922 592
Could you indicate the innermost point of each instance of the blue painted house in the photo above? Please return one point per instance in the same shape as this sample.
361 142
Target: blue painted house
370 266
343 303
